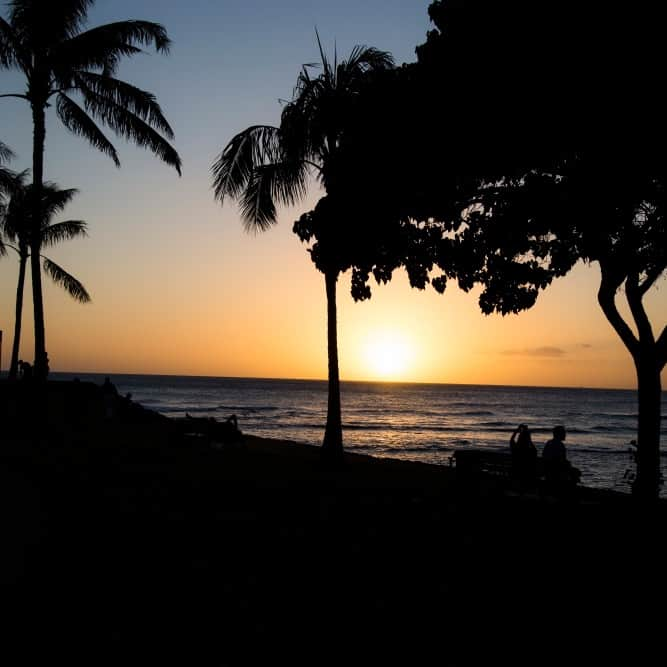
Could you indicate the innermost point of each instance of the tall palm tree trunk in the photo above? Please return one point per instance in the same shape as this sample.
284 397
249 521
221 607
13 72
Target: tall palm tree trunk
41 369
332 447
14 364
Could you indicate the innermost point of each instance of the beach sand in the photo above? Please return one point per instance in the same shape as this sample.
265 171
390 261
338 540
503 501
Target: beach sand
126 542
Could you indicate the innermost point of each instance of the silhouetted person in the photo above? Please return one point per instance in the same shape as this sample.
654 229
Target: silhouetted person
559 473
110 393
25 370
524 456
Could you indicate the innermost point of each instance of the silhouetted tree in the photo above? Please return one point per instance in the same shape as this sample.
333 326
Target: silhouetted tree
536 139
45 40
6 175
264 166
585 178
16 228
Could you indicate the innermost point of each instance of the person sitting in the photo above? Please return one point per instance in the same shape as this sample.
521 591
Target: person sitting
559 473
25 369
524 456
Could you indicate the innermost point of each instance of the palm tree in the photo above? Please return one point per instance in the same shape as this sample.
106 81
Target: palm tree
45 40
16 229
6 176
6 183
265 165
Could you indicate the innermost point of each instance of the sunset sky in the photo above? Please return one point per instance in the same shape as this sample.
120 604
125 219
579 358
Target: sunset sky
179 288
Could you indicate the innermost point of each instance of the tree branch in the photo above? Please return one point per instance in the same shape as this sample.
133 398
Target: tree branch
607 301
662 348
649 281
633 295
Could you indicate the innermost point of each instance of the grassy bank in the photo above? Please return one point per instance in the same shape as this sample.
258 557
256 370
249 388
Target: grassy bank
129 542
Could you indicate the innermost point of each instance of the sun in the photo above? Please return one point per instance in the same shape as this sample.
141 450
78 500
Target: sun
388 356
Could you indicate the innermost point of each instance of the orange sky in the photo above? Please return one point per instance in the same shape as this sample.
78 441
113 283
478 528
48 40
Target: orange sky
231 304
178 287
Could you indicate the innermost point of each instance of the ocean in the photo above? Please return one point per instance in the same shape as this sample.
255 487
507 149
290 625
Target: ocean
418 422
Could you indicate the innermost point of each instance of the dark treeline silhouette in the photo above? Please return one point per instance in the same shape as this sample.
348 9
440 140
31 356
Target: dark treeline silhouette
533 139
46 41
16 230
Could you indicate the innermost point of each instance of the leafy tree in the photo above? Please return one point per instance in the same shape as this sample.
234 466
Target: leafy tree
16 229
265 166
548 149
585 178
46 41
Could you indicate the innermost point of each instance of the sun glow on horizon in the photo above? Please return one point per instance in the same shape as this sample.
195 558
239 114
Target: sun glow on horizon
388 356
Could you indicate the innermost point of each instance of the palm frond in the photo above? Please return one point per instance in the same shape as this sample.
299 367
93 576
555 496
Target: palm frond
302 123
14 190
297 139
104 46
52 21
130 126
13 52
264 166
326 67
19 209
54 199
7 229
139 102
63 231
8 56
258 208
279 182
233 170
77 121
6 180
365 58
144 33
65 280
6 153
98 57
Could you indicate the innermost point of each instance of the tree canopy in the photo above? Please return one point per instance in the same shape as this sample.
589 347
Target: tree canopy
534 138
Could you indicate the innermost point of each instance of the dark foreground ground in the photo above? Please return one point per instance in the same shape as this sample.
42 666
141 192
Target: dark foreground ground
126 542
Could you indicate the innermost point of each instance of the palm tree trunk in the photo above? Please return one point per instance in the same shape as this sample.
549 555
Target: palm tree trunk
14 364
649 395
41 367
332 447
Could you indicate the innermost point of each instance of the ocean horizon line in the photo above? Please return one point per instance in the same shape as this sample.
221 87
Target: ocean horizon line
344 381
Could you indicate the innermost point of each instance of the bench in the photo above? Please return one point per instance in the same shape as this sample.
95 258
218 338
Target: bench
473 462
211 430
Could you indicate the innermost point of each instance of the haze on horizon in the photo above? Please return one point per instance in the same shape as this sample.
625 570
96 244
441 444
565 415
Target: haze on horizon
179 288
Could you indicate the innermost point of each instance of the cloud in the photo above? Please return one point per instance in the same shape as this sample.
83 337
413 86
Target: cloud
545 351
